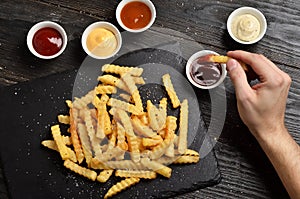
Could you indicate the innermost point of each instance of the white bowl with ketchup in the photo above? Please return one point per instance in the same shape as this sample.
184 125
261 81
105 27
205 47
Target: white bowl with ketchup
204 74
135 15
47 40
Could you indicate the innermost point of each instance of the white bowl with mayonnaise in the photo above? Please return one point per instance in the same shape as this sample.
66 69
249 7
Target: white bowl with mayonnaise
101 40
246 25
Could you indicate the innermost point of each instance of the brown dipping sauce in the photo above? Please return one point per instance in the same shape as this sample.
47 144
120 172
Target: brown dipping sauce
136 15
205 73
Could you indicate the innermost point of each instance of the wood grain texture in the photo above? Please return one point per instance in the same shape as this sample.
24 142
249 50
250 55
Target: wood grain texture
246 171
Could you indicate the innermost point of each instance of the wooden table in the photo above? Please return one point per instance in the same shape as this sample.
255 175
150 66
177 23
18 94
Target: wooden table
246 171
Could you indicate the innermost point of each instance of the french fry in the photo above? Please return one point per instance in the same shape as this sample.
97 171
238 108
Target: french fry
81 103
104 175
62 148
190 152
224 59
157 167
67 140
144 118
170 90
124 106
129 81
126 97
114 81
64 119
183 127
104 124
187 159
88 173
105 89
52 145
110 68
123 184
150 142
152 113
121 137
95 141
125 164
135 174
142 129
74 135
131 137
85 141
69 103
138 80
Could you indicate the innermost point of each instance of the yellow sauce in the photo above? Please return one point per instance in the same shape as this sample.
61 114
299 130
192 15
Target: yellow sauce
101 42
246 27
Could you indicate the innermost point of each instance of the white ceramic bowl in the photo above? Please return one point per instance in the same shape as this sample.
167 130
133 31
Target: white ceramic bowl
121 6
247 10
196 56
46 24
105 25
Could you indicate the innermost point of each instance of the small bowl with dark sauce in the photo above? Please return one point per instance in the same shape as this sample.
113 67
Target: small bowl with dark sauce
135 15
46 40
204 74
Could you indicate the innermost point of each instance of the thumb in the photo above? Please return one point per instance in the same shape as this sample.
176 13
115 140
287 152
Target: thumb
238 78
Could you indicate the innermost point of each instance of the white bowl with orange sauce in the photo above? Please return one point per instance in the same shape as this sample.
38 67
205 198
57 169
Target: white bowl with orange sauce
135 15
101 40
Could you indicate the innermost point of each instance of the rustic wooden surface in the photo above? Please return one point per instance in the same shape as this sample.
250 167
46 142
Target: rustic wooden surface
246 172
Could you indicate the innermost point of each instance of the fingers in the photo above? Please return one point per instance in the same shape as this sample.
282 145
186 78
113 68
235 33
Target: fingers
260 64
239 79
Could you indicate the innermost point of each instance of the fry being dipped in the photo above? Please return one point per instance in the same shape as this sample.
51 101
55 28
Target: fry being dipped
222 59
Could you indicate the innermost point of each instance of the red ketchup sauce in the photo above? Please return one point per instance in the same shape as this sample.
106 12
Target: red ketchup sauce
205 73
136 15
47 41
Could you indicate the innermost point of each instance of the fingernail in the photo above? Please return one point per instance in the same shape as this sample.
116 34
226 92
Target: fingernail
231 64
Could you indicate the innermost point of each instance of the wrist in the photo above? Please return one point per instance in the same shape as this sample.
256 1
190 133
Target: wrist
268 134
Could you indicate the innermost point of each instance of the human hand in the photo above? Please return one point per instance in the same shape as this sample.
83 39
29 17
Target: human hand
262 106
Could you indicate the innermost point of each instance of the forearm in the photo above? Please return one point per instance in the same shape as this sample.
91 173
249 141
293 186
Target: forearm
284 154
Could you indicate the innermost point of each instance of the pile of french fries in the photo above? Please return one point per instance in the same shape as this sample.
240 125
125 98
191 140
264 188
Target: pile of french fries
110 132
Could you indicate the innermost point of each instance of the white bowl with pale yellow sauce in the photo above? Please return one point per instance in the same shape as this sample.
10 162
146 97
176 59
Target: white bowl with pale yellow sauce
246 25
101 40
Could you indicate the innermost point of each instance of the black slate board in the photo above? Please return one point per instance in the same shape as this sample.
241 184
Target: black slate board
32 171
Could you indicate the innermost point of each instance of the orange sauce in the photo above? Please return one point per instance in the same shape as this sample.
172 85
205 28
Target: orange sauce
136 15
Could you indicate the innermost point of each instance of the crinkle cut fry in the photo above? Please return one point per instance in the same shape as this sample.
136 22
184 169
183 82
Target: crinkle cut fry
110 68
183 127
124 106
142 129
224 59
74 135
88 173
104 175
62 148
157 167
95 141
120 186
105 89
186 159
85 141
135 174
81 103
50 144
64 119
104 124
131 137
170 90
